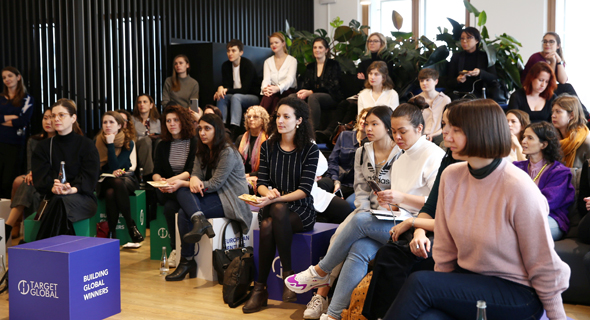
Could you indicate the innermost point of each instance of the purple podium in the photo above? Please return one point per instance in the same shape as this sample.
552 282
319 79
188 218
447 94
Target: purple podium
65 277
306 249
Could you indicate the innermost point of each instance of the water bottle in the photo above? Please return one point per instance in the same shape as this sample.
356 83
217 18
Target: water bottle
141 175
481 310
62 173
164 263
483 91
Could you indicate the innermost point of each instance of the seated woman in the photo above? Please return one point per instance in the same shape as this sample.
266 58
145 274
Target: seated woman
412 177
517 121
73 199
470 65
552 54
25 199
329 207
568 118
541 144
536 95
256 123
491 232
321 82
175 156
379 88
280 74
211 109
114 145
376 45
146 120
215 184
180 88
409 249
288 164
340 178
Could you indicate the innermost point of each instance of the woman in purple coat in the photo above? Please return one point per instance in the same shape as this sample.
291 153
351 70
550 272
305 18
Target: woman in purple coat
541 145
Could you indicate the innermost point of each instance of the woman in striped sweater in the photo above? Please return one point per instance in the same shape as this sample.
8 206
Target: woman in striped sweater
288 163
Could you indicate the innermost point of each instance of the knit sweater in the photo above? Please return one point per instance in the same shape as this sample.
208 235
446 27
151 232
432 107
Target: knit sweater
497 226
189 89
285 77
388 98
433 114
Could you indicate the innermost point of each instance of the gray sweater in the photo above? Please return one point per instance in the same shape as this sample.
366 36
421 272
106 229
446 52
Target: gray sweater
189 89
228 179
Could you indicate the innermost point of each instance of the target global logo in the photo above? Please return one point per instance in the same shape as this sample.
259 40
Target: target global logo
23 287
163 233
38 289
277 267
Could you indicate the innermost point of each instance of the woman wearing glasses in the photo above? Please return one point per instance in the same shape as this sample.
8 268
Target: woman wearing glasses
552 54
376 45
256 124
470 65
74 199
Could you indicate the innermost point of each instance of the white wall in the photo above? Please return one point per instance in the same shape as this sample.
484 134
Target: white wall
345 9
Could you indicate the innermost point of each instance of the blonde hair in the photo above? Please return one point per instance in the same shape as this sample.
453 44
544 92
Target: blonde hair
262 113
359 134
571 104
281 37
381 38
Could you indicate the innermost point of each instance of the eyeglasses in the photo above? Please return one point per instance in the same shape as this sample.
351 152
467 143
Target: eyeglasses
467 39
548 41
61 116
374 41
255 117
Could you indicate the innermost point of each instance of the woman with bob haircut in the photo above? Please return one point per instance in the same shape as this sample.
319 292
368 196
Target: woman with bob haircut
378 88
536 95
288 165
568 118
173 163
73 200
541 145
215 184
517 121
279 74
491 232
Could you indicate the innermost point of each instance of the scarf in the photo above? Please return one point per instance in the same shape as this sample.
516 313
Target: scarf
570 144
245 146
101 145
485 171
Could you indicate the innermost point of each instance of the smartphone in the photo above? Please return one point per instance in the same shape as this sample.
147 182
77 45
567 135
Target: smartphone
374 186
341 194
195 105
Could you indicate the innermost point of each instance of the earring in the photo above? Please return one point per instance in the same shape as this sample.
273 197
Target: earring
297 126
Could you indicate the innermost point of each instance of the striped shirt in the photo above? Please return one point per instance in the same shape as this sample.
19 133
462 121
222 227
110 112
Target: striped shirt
290 171
179 150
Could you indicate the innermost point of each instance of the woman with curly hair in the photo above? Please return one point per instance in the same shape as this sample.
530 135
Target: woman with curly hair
541 144
568 118
288 164
256 122
115 144
537 93
175 156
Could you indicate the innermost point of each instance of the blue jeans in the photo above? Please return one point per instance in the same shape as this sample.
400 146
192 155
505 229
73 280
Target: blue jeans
210 205
362 225
353 271
556 233
350 201
238 104
454 295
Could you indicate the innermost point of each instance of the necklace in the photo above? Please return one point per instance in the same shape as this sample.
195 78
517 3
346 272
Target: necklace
538 174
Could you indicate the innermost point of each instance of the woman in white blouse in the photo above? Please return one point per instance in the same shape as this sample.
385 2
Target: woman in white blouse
280 74
379 88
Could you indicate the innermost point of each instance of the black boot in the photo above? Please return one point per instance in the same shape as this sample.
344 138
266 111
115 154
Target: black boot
112 235
135 235
258 299
185 266
288 295
7 233
200 227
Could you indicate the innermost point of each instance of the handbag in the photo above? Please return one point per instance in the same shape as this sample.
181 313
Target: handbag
222 258
43 205
238 277
102 229
341 127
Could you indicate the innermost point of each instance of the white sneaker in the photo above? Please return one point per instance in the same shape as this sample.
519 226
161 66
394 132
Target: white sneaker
172 259
325 316
317 306
306 280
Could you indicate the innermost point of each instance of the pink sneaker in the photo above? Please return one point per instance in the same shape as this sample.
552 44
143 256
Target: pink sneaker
306 280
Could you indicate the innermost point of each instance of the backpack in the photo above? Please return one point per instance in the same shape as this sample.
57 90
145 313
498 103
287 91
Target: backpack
357 300
237 279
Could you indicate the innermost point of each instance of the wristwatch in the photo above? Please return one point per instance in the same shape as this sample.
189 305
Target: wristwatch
560 62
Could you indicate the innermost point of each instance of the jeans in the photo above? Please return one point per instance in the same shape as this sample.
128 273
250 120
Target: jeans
238 103
362 225
353 271
209 204
453 295
556 233
350 201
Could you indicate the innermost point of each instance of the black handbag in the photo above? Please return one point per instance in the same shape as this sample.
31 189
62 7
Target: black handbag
238 277
223 257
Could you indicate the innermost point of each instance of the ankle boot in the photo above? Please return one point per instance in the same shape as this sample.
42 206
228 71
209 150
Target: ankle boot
185 266
288 295
258 298
200 227
135 235
7 232
112 235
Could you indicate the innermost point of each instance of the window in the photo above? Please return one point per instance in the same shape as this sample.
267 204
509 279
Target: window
436 13
385 11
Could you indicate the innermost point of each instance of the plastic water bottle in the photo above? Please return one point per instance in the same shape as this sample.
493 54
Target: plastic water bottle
483 91
62 173
481 310
164 263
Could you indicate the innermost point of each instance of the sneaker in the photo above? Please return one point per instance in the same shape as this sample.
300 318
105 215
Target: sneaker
172 259
306 280
325 316
317 306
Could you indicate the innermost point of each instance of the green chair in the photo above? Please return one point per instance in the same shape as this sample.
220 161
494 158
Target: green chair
84 228
138 214
159 235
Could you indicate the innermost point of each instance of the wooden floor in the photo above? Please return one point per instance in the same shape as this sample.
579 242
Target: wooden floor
146 295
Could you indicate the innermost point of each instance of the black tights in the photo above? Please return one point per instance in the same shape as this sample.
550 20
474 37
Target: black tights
276 232
117 200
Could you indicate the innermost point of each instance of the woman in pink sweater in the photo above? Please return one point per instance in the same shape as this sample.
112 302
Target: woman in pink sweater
492 237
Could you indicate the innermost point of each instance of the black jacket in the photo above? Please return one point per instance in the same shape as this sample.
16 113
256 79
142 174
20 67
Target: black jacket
248 77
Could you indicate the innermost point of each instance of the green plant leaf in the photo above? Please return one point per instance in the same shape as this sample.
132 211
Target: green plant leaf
401 35
322 33
287 28
484 33
471 8
427 41
357 40
457 29
336 23
397 19
481 20
354 24
491 52
343 34
289 42
511 38
441 53
346 65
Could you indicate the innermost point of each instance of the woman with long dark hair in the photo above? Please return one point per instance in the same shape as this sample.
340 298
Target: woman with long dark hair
16 109
218 178
73 200
180 88
288 164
